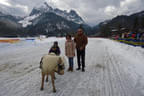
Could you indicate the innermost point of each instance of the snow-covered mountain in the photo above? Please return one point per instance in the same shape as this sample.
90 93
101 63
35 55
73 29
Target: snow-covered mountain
71 16
45 20
49 21
41 8
51 24
28 20
45 8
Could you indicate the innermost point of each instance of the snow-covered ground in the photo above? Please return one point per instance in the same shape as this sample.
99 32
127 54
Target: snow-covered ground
112 69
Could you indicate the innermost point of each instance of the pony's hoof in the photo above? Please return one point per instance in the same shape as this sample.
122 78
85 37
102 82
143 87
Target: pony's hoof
41 89
54 91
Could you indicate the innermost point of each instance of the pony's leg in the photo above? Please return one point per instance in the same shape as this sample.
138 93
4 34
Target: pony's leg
42 83
47 78
53 83
54 76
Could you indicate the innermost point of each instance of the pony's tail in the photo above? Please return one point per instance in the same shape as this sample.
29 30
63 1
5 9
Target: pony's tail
41 62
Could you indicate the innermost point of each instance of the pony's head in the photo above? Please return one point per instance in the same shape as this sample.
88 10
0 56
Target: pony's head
61 65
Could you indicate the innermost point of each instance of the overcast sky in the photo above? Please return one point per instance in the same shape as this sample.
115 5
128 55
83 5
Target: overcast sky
92 11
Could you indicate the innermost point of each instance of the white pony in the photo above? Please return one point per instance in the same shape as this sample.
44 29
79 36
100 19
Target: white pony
50 64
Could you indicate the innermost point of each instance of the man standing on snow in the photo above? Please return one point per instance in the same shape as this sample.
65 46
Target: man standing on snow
81 42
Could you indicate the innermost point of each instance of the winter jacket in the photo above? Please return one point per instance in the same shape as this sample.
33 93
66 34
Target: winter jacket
55 50
81 41
70 48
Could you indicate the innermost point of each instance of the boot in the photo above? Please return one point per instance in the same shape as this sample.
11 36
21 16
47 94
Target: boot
78 68
69 69
83 70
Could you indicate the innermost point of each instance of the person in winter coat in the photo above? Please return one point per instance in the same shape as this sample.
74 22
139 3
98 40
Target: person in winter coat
81 42
70 51
55 48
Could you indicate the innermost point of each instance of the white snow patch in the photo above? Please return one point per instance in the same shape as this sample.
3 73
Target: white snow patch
27 20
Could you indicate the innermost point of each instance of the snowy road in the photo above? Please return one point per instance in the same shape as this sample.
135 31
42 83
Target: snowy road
112 69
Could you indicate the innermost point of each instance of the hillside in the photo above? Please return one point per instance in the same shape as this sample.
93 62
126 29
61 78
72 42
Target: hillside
134 23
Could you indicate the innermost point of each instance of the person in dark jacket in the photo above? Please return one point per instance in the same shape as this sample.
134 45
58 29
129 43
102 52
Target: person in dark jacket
81 42
55 48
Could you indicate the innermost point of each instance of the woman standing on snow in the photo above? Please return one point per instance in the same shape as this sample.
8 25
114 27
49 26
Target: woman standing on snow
70 51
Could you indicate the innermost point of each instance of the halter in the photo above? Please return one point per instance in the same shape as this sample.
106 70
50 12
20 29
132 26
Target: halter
60 67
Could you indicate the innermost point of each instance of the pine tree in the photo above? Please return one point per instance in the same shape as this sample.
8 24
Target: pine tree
136 25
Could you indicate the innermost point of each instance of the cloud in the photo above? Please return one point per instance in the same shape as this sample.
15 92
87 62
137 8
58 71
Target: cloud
5 2
110 10
95 11
92 11
25 8
18 7
128 2
18 10
125 7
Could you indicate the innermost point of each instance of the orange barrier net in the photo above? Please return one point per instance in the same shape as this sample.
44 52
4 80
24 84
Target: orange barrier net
9 40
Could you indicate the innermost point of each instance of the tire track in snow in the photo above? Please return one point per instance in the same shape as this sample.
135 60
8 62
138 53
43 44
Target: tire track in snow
125 83
115 84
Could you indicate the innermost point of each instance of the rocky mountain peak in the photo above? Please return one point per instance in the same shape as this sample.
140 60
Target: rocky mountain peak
46 8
